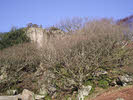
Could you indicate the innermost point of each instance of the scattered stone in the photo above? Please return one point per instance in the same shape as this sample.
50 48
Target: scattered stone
12 92
27 95
126 78
100 72
39 97
120 99
8 98
84 91
123 80
113 83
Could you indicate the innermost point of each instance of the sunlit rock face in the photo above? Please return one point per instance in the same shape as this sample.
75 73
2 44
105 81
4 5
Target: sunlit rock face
41 36
37 35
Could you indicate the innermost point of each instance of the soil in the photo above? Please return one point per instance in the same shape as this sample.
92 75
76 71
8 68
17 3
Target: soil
125 93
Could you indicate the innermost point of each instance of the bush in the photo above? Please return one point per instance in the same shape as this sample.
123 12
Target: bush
103 84
71 60
19 63
15 36
75 57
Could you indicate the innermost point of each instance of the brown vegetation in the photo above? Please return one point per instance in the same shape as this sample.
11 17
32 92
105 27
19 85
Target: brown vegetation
72 59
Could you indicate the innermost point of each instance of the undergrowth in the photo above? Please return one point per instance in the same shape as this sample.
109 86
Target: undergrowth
73 59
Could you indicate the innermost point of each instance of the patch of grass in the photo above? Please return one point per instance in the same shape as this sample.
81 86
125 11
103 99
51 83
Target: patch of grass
103 84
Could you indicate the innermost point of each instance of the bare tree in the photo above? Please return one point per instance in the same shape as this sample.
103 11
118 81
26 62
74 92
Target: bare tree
73 24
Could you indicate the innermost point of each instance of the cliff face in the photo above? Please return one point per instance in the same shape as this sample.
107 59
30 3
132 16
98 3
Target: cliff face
41 36
37 35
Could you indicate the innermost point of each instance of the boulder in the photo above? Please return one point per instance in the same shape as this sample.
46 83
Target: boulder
27 95
11 92
84 91
123 80
8 98
39 97
126 78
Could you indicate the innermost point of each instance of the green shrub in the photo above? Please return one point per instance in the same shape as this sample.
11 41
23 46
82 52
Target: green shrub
103 84
47 97
15 36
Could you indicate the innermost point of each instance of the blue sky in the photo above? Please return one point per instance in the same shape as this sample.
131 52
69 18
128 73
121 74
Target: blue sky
49 12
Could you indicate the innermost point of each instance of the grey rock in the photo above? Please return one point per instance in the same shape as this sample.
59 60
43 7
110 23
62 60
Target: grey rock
11 92
98 73
119 99
8 98
39 97
84 91
126 78
27 95
113 83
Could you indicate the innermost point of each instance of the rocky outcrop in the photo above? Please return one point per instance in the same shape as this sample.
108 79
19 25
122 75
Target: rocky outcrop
37 35
41 36
124 80
26 95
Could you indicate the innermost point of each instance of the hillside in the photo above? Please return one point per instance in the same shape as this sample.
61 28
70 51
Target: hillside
65 64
